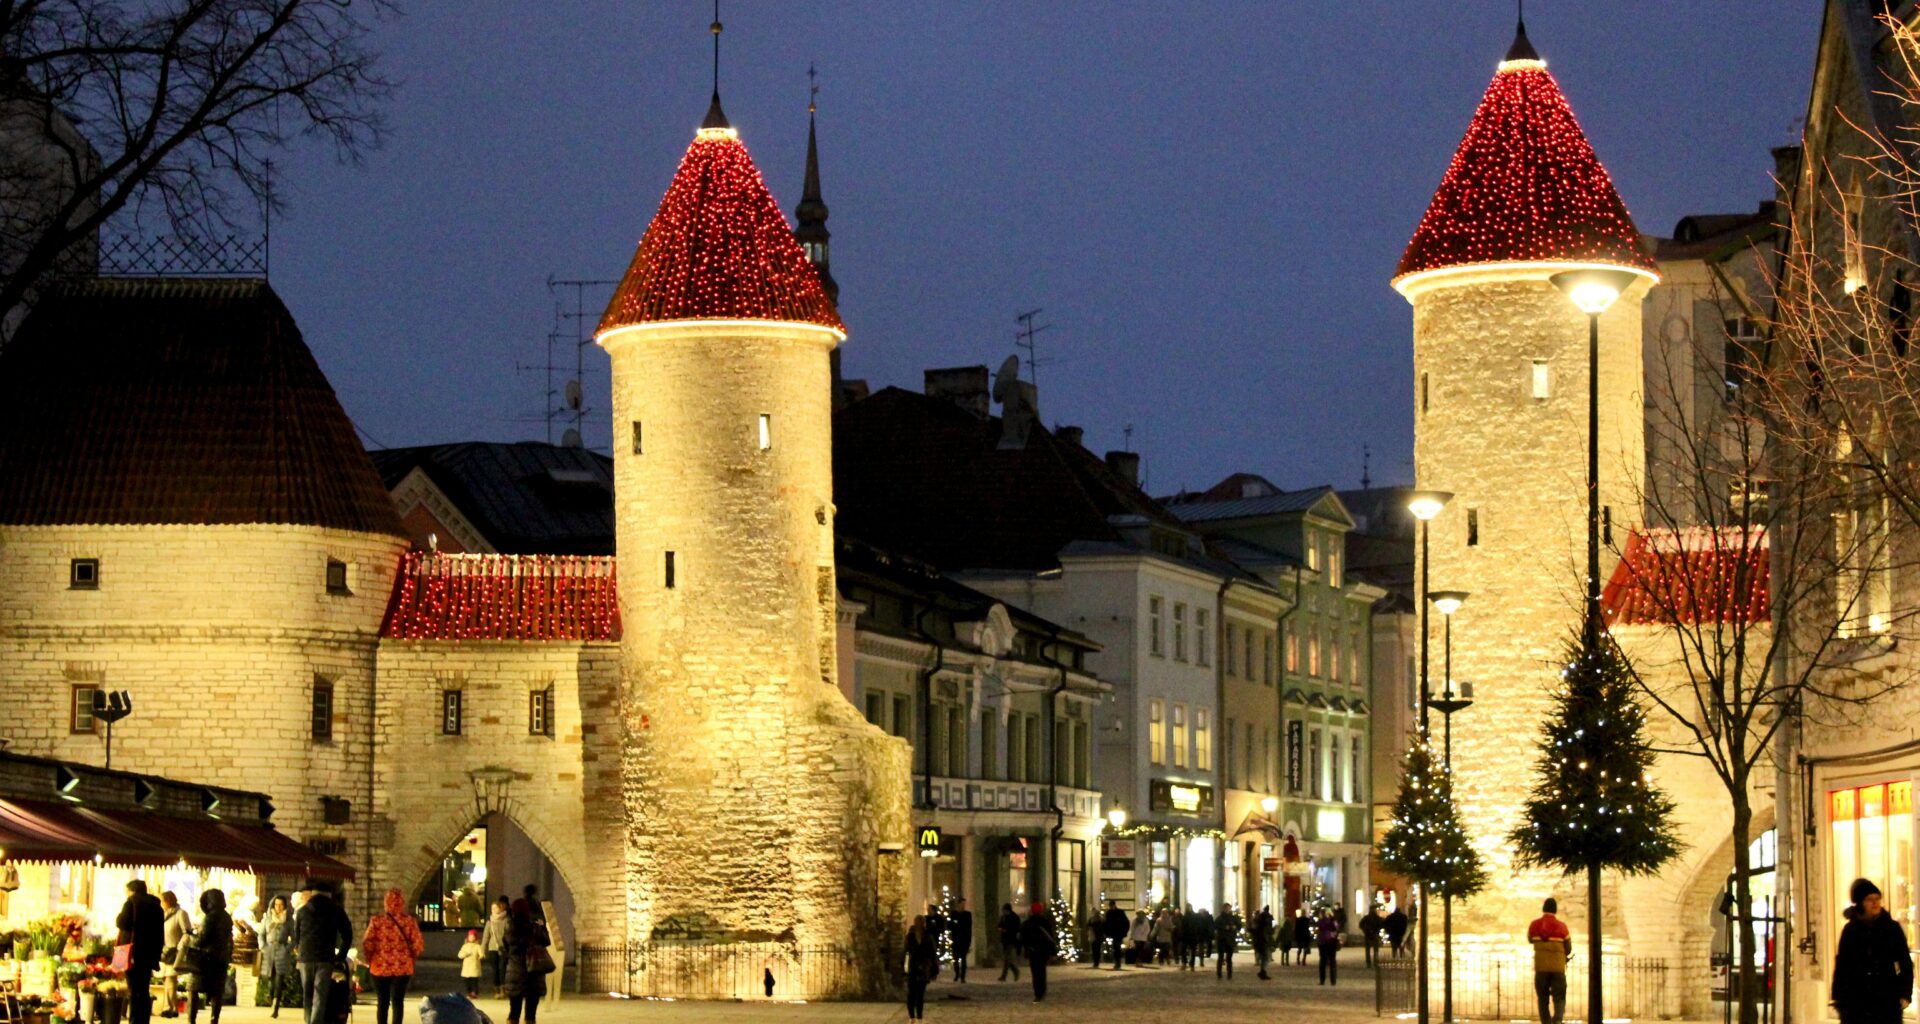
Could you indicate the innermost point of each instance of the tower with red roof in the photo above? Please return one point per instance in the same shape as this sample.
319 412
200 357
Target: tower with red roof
760 806
1500 420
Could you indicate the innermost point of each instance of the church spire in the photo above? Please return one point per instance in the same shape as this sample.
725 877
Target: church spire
716 118
811 214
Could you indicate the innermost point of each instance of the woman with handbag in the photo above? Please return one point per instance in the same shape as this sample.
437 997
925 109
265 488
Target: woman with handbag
175 929
210 952
528 963
390 947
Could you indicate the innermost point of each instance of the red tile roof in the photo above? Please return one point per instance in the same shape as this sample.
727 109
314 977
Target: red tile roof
159 400
503 597
1689 576
719 249
1524 186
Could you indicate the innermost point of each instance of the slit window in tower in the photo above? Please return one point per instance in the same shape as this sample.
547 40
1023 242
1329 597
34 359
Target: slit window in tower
636 437
1473 527
1606 524
1539 382
1423 393
766 431
668 577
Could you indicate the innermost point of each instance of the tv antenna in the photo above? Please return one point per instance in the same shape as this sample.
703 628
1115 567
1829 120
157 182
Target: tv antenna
1366 466
564 405
1025 338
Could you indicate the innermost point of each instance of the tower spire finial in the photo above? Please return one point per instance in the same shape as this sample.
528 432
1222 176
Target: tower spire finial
716 118
1522 48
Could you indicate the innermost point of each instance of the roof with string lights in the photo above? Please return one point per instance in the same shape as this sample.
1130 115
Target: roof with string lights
719 248
1524 186
1690 576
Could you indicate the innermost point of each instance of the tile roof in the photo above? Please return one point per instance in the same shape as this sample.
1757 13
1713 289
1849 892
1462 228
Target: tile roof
1690 575
1200 511
503 597
161 400
526 497
719 248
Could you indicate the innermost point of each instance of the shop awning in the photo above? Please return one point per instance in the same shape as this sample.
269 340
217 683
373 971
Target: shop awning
50 830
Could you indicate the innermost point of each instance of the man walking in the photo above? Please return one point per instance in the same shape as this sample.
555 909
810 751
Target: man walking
1226 939
1037 938
322 935
1262 932
1370 928
1009 928
1551 946
961 927
1115 928
1396 926
140 927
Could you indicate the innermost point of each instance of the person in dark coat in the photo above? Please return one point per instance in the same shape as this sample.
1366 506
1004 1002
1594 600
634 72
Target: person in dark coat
1037 938
1201 944
1396 928
322 935
1304 934
1283 936
1009 929
276 955
1226 941
960 926
524 987
1113 929
211 952
922 964
1262 935
1327 935
1182 932
140 927
1872 968
1370 928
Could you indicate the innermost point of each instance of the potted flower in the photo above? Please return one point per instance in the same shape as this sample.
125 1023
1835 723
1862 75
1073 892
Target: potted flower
111 997
87 991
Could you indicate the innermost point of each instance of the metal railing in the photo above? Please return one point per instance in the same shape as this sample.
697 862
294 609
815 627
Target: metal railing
1494 987
734 970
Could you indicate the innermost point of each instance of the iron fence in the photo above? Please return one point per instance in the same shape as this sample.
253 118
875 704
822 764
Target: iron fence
735 970
1488 986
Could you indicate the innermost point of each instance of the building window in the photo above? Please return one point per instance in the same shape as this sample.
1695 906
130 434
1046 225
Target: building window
80 710
1423 392
1246 640
451 706
83 574
337 577
1336 766
1232 650
956 742
1179 631
1083 755
1872 837
1016 747
1202 740
1313 551
1742 349
1355 793
1313 652
1266 757
322 709
1293 652
1247 754
1315 769
1062 751
1227 762
1154 644
1333 657
1473 527
1156 735
636 437
903 718
1539 382
540 712
1335 579
766 431
990 747
668 571
877 710
1266 659
1179 741
1202 633
1033 748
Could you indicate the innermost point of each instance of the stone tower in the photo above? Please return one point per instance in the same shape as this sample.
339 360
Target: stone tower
763 813
1500 420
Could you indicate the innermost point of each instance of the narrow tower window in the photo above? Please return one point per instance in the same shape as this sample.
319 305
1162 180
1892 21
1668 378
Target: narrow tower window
669 571
766 431
1539 383
1473 527
636 437
1423 393
1606 524
83 574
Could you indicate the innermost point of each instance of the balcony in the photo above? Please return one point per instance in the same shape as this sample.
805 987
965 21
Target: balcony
1003 796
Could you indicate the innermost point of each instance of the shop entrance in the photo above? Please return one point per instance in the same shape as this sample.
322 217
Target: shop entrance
494 858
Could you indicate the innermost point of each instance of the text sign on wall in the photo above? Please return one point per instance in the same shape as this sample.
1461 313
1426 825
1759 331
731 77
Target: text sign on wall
1294 743
1180 797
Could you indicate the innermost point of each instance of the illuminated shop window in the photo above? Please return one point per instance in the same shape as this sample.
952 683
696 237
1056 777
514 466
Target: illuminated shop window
1872 832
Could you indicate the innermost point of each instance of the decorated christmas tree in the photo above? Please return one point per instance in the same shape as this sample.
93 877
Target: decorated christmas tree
1426 841
1065 934
943 944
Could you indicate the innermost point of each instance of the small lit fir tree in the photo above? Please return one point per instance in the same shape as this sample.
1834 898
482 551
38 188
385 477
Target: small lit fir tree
943 945
1064 933
1594 804
1426 841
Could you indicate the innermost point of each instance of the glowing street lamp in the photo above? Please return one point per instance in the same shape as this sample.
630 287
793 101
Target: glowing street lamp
1117 818
1269 804
1448 602
1424 505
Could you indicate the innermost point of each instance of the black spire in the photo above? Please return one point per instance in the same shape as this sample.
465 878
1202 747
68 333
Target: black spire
716 118
1522 49
810 216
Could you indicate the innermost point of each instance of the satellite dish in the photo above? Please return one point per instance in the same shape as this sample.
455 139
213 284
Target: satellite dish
570 439
1005 379
573 395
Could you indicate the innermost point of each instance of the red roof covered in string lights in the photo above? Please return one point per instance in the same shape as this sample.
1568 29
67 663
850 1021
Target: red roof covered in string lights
1524 186
719 248
503 597
1689 576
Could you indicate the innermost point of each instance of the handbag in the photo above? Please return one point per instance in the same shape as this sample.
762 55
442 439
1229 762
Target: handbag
539 961
122 958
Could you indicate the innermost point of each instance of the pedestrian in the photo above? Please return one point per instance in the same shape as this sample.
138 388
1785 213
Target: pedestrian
1262 934
1304 933
493 939
471 954
528 963
1166 925
1037 938
1283 936
1327 936
1183 931
1140 938
211 953
1202 942
1396 926
922 964
1009 929
1370 928
1552 944
1872 969
960 927
276 963
175 929
389 948
141 929
1115 928
1226 940
322 935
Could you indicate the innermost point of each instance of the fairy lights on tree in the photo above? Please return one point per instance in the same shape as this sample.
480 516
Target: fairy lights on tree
504 597
1426 841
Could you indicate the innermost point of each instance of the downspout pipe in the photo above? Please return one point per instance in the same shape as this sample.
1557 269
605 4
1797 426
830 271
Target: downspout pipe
1219 629
938 662
1280 682
1048 654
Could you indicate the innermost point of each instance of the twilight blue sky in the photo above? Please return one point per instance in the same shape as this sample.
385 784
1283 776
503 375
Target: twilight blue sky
1207 198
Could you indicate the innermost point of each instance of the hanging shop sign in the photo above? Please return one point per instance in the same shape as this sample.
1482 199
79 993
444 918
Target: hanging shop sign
928 839
1117 856
1180 797
1295 740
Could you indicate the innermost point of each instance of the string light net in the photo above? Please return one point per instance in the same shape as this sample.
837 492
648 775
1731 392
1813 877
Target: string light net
503 597
719 249
1593 802
1524 186
1425 841
1689 576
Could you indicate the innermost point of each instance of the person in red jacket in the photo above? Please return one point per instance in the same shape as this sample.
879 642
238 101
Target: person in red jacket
1551 946
390 947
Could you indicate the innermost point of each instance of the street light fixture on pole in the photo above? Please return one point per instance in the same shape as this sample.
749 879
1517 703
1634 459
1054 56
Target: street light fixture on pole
1424 505
1448 602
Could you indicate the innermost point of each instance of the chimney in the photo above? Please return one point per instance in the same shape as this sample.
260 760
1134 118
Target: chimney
1126 465
964 386
1071 435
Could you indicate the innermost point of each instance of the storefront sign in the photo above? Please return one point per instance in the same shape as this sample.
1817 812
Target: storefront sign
1180 797
1294 743
1271 864
929 840
327 846
1117 856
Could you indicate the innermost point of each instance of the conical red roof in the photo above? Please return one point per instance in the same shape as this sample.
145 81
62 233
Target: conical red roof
1524 186
719 249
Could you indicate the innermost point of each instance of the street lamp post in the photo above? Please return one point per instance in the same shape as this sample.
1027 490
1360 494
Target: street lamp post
1424 505
1448 602
1592 291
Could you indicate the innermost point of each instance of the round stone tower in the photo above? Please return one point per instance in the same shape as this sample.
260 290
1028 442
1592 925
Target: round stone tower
1500 420
761 809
